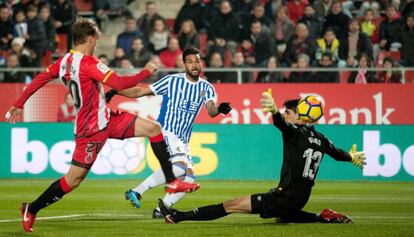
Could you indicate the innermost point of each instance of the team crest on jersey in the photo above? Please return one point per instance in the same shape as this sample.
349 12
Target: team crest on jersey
102 68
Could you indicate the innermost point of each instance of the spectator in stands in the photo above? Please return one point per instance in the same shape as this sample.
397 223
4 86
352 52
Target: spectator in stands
225 25
368 26
312 22
67 111
238 62
303 75
300 43
6 28
64 13
14 76
295 9
322 8
272 6
244 7
326 62
355 44
146 21
270 76
158 36
216 61
337 20
246 48
218 46
390 30
20 24
282 30
363 76
389 75
25 55
139 55
329 44
126 63
49 26
187 36
372 5
407 41
155 59
104 59
131 31
180 63
169 55
115 8
116 60
194 10
36 39
258 13
264 45
407 8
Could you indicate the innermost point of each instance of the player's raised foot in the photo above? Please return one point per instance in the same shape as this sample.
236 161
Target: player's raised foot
28 219
156 214
331 216
167 212
177 185
134 198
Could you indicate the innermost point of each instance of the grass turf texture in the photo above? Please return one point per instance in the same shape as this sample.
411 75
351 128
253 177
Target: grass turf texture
99 209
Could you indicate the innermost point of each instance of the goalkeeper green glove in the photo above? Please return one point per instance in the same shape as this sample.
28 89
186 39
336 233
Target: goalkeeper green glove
268 103
358 158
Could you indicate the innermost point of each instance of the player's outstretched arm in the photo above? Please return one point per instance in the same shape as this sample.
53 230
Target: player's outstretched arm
117 82
358 157
134 92
355 157
268 103
213 110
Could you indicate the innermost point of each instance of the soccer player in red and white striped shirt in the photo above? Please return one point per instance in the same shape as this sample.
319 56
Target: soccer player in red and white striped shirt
83 75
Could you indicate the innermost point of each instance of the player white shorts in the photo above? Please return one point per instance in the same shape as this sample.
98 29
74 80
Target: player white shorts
179 150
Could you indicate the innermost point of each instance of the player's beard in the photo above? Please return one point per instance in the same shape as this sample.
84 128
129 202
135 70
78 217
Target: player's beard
194 74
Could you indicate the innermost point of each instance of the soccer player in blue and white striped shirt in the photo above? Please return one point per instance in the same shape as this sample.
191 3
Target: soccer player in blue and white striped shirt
183 96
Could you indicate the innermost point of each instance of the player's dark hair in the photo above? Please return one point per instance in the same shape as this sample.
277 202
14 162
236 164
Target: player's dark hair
291 104
82 28
190 51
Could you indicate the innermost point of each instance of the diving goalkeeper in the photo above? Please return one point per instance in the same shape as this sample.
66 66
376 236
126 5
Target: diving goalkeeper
303 149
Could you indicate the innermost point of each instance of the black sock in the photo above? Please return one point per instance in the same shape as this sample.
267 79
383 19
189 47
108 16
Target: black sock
160 150
206 213
52 194
301 217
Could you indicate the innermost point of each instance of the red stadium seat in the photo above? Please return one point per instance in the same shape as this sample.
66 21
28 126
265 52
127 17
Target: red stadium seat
62 43
203 42
84 5
170 24
227 58
409 77
343 76
395 55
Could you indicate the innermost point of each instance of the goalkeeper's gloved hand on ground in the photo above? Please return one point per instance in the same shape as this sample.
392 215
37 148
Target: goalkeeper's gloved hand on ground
224 108
268 103
111 93
358 158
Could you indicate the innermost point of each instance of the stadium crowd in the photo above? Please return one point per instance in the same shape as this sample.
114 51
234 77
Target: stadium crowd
230 33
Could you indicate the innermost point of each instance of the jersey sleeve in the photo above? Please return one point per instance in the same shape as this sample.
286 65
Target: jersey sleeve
210 94
336 153
288 130
96 69
161 86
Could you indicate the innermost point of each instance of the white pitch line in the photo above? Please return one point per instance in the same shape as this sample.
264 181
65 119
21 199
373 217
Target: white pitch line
73 216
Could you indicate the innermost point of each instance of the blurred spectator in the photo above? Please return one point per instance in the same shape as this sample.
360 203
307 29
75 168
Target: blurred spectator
131 31
268 76
389 75
407 41
368 26
246 48
238 62
20 24
264 45
322 8
282 30
271 7
329 44
372 5
126 63
216 61
169 55
14 76
24 54
363 76
390 30
49 26
326 62
347 7
187 36
158 35
116 60
218 46
146 21
312 22
194 10
36 39
244 6
180 63
302 75
157 74
139 55
64 13
67 111
337 20
225 25
407 8
355 44
104 59
6 28
295 9
104 9
258 13
300 43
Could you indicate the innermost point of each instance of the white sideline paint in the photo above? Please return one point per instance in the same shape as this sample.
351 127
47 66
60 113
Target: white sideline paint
73 216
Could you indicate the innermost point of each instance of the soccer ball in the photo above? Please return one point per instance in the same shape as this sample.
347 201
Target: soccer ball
310 109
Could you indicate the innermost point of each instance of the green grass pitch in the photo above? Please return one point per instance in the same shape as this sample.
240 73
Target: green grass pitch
98 208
